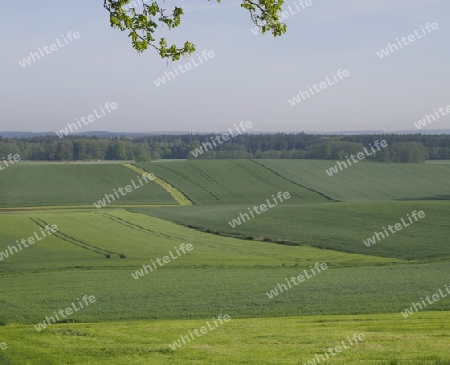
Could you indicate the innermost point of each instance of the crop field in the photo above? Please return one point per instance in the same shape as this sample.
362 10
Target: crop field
347 226
140 238
228 182
368 181
29 185
244 272
180 293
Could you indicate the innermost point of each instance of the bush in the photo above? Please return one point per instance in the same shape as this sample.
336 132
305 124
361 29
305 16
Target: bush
143 158
3 321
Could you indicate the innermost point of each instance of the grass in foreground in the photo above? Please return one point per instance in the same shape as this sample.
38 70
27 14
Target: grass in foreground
389 340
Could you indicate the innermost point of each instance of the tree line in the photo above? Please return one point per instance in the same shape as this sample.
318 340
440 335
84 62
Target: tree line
413 148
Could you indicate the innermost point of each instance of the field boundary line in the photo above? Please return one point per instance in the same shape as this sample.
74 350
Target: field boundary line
172 190
294 182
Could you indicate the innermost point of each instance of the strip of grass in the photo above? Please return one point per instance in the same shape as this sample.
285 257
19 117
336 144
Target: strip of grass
288 341
176 194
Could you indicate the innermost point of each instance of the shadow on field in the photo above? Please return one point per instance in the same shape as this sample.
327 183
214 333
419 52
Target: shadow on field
436 197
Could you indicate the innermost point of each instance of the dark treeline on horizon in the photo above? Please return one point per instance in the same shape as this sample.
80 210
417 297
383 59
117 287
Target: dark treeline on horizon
401 148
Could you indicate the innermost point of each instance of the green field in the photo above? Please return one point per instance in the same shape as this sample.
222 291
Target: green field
180 293
368 181
230 270
347 226
141 238
28 185
228 182
284 341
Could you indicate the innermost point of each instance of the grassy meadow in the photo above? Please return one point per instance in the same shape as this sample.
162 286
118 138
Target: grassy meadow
230 270
284 341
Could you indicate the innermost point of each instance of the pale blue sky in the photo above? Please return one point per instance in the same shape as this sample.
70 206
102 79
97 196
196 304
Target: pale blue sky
250 78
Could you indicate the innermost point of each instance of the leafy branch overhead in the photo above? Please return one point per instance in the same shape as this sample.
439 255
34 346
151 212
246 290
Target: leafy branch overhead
141 18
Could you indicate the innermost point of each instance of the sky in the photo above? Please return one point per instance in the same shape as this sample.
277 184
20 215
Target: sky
251 77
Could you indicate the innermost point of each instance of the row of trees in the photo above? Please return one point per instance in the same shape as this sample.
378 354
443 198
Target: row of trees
401 148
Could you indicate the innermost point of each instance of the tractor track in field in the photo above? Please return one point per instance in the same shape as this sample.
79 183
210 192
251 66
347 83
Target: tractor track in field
223 247
296 183
135 226
74 241
262 179
187 178
209 178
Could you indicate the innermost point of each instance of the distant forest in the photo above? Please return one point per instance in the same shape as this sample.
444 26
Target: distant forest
412 148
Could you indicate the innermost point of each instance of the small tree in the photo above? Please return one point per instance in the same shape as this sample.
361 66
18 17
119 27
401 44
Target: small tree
143 158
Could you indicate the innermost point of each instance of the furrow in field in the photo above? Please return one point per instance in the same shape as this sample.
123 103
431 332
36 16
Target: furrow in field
61 235
134 226
209 178
262 179
294 182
